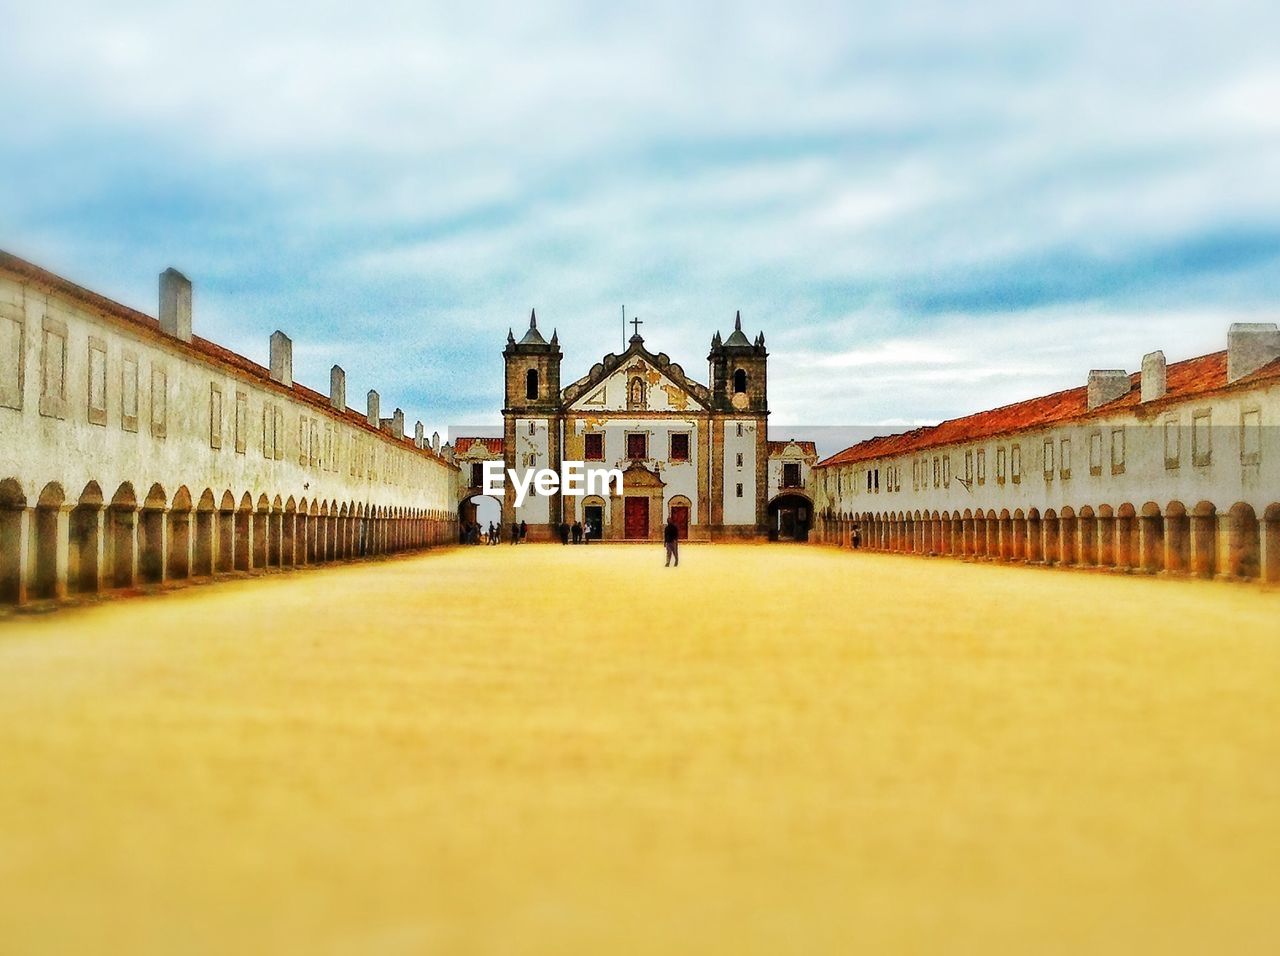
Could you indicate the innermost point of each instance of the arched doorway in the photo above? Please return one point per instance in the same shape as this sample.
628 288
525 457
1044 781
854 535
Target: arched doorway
790 516
679 509
481 510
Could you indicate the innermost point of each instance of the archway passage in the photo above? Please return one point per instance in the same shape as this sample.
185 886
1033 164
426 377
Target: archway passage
481 511
790 516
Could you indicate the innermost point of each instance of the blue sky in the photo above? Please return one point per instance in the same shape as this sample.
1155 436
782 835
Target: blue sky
928 208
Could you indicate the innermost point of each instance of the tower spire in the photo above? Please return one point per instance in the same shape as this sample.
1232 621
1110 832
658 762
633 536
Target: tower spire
737 321
533 319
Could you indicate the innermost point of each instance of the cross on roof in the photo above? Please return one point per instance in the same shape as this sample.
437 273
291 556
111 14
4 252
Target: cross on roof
636 323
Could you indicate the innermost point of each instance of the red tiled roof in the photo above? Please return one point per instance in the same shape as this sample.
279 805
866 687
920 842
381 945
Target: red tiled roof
778 447
491 445
144 324
1204 375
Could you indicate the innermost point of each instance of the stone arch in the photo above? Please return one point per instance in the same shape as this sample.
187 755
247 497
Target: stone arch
1271 543
244 533
13 503
46 581
1051 532
1127 552
1068 536
1177 538
1244 542
1151 538
1087 523
85 540
180 538
206 528
121 536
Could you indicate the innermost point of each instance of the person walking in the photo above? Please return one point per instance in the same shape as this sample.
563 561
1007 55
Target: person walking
577 532
564 532
671 536
515 533
857 537
524 531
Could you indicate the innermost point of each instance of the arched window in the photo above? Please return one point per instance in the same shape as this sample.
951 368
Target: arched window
531 383
739 381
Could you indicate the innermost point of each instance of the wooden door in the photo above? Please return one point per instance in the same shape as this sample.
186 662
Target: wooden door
637 518
680 515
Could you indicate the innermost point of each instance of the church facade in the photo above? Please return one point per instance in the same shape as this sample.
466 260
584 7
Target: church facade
697 453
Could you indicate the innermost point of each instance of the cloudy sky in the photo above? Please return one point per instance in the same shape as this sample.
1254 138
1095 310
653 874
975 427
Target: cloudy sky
928 208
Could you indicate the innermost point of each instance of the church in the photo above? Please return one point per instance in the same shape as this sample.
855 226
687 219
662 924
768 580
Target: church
697 453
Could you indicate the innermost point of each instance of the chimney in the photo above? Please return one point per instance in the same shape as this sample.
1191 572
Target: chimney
374 410
1106 385
1153 376
1250 346
397 423
435 442
281 359
417 434
175 304
338 388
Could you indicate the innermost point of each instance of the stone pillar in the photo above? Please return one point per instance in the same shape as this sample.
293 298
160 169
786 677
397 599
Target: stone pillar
62 550
100 516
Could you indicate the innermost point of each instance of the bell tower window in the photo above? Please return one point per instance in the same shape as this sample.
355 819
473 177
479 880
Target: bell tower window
739 381
531 383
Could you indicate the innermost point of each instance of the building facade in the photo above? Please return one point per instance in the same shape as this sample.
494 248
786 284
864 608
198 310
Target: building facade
1175 469
696 453
132 451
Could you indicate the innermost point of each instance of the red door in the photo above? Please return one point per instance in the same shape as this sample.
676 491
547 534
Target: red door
637 518
680 515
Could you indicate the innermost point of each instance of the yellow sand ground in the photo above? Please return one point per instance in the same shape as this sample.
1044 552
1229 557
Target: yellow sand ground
568 750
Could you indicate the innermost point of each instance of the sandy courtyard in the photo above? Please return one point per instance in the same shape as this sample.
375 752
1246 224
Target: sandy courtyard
568 750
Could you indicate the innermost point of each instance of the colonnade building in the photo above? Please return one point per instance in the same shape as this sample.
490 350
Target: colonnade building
1175 468
132 451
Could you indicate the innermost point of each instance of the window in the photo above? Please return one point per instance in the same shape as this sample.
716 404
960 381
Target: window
1000 465
594 446
215 416
876 476
739 459
531 383
269 431
1015 464
477 474
1048 459
868 482
330 451
1201 442
159 402
53 362
97 381
1117 451
915 474
1064 457
129 392
739 429
982 466
12 348
937 473
637 445
739 489
946 471
739 382
304 437
315 448
531 460
1250 436
791 474
968 467
1095 452
680 447
533 428
241 422
1172 443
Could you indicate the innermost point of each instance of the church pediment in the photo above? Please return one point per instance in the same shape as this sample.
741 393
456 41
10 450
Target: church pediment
637 380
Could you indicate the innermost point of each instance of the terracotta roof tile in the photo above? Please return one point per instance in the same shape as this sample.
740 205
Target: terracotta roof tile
1204 375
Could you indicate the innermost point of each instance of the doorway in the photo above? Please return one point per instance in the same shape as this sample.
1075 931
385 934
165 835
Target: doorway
637 518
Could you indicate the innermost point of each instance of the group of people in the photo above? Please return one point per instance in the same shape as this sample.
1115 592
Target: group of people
576 533
476 533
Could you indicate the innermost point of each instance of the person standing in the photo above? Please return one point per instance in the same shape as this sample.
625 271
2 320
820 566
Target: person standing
577 532
524 531
671 536
564 532
857 537
515 533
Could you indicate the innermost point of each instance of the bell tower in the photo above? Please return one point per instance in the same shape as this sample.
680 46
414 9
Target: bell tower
740 434
739 370
531 419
